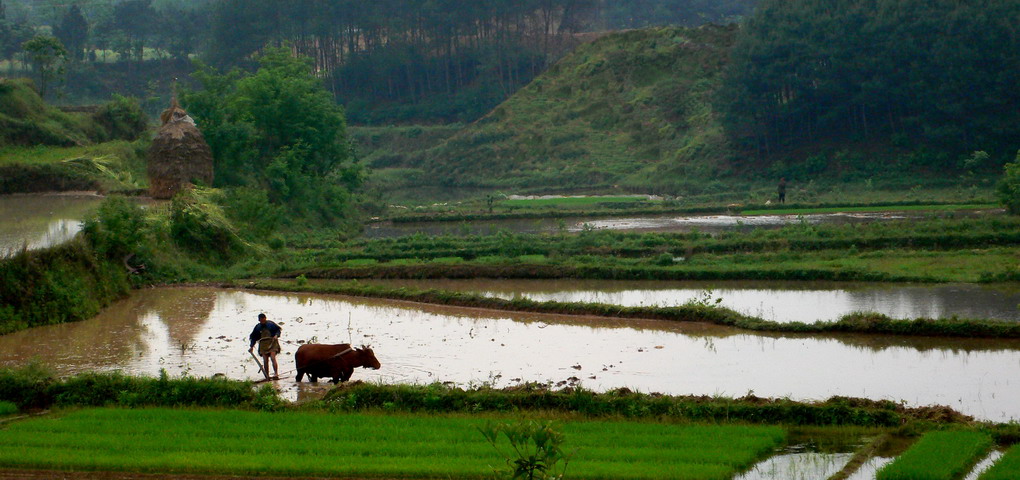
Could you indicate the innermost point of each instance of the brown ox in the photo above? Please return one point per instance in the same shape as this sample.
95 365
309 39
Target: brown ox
333 361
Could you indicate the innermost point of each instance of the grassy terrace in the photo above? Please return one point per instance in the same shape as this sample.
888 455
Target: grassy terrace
222 441
934 250
626 206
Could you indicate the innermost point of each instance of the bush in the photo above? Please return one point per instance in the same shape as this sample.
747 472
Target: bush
199 226
118 228
121 119
8 408
1009 186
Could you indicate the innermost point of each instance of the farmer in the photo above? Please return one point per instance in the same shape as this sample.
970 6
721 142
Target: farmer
782 190
267 334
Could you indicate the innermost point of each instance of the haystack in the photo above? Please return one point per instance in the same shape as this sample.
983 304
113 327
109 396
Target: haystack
179 156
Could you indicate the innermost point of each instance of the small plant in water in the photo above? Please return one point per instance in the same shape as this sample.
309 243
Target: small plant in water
535 449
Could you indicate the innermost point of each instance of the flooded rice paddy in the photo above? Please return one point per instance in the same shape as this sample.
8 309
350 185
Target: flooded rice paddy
771 300
650 223
203 331
40 221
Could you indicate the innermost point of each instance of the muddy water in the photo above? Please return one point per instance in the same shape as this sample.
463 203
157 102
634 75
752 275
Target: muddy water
797 466
203 331
654 223
777 301
41 221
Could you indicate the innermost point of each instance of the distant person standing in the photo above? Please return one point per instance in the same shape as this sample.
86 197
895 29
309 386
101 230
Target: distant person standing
782 190
267 335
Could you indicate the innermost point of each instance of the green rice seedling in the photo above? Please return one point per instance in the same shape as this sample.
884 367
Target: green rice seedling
310 444
941 455
1007 468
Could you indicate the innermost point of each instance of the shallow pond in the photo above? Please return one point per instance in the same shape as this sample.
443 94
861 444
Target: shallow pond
771 300
42 220
651 223
203 331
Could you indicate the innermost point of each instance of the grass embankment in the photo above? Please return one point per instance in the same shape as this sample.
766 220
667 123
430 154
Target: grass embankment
936 250
59 284
477 209
33 387
938 456
174 441
117 166
872 323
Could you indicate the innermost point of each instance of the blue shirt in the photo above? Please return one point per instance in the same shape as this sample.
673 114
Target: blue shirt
256 335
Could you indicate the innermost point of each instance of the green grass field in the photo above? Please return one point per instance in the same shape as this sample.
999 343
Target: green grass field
1007 468
938 456
249 443
44 154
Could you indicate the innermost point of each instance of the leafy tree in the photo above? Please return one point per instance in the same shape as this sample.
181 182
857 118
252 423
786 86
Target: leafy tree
47 56
73 31
278 128
1009 186
136 20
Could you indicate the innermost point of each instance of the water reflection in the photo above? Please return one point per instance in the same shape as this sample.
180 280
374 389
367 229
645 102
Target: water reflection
778 301
204 331
798 466
650 223
41 221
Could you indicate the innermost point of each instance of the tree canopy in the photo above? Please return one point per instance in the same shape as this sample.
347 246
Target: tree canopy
277 128
941 74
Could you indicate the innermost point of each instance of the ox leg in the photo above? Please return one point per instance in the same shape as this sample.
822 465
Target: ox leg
346 374
313 378
300 373
335 380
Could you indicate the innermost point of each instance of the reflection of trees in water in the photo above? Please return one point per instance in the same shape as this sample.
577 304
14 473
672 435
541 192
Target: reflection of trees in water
183 311
101 342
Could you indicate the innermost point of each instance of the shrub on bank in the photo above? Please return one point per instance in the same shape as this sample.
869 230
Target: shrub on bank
33 386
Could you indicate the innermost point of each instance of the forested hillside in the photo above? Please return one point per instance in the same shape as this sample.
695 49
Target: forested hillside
386 61
609 113
805 90
940 75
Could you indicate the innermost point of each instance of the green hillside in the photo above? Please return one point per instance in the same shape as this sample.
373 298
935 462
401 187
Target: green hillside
45 149
25 119
616 111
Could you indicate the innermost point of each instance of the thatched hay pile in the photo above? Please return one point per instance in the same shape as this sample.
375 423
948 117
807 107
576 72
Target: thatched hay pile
179 155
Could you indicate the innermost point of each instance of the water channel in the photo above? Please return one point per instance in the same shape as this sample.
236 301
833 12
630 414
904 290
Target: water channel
778 301
203 331
42 220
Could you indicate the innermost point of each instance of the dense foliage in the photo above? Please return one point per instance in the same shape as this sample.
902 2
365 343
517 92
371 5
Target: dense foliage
938 74
387 61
